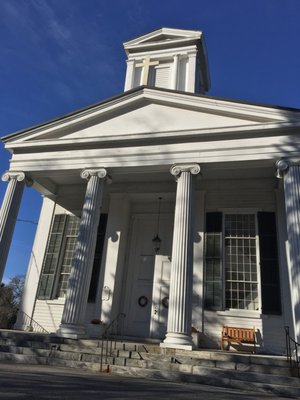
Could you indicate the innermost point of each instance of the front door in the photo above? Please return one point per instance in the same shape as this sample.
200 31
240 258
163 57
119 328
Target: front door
160 296
148 278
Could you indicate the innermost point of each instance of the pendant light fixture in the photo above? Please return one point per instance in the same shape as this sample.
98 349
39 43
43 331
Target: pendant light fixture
156 241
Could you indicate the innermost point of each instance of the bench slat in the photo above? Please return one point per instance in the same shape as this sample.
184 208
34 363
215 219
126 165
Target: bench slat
237 335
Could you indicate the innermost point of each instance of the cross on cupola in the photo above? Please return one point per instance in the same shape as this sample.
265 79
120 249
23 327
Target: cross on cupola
146 64
169 59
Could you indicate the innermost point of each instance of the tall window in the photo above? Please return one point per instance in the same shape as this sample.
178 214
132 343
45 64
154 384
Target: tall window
71 232
241 285
59 254
235 245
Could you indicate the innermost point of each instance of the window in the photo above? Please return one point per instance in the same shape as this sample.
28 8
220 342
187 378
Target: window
59 254
71 232
235 243
51 259
241 284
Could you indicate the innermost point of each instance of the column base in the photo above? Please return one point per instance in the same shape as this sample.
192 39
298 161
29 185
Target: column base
180 341
72 331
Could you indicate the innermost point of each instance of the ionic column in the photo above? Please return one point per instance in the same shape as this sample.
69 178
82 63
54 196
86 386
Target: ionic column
72 324
9 212
181 280
290 172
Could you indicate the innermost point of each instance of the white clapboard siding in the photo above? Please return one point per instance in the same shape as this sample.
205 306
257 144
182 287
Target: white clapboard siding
258 194
48 314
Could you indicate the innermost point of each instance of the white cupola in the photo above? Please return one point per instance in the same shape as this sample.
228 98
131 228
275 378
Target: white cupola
168 58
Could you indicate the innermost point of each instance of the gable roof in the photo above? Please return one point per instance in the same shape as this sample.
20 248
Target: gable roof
283 114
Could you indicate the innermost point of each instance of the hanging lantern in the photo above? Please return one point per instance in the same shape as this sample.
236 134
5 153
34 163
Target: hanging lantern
156 241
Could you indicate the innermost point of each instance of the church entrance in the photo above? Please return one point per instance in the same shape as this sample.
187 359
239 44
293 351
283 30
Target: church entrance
148 276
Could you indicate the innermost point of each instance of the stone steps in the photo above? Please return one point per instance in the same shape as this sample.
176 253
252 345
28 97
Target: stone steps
234 370
207 376
144 359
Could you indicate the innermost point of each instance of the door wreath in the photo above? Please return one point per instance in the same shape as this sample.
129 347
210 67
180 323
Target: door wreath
143 301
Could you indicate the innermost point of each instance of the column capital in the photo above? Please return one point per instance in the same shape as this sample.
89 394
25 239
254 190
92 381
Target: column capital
192 54
99 172
177 169
282 168
17 175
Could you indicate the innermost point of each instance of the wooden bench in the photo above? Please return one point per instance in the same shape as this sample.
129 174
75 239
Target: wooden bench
232 334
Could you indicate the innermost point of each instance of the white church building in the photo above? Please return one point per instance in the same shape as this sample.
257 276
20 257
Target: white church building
178 209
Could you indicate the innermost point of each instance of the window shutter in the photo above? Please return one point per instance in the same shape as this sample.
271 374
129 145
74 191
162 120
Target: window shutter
269 264
213 261
97 258
52 256
162 75
137 76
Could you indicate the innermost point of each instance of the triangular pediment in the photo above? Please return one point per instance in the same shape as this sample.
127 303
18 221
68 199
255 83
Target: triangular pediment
150 114
162 37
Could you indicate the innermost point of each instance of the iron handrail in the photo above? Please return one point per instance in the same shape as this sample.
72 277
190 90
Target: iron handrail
33 326
289 353
114 331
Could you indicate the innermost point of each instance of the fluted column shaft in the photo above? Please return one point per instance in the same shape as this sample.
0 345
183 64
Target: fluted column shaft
9 212
181 280
290 172
72 324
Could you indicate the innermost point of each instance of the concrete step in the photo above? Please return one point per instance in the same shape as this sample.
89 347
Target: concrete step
54 361
208 377
242 367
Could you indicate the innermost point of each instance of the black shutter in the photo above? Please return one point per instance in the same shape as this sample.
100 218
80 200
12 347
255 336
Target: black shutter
213 261
97 258
269 264
51 258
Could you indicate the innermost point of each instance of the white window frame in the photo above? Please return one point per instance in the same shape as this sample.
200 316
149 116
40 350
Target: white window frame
235 311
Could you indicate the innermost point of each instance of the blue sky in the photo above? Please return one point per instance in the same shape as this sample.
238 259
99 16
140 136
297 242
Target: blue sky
60 55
